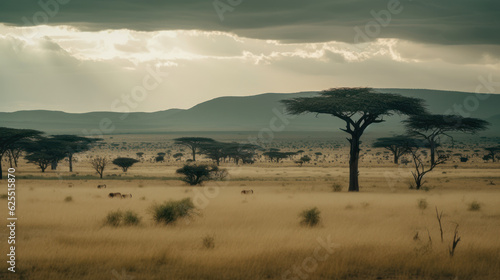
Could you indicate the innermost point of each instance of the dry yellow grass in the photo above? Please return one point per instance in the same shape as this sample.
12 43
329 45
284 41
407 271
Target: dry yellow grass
258 236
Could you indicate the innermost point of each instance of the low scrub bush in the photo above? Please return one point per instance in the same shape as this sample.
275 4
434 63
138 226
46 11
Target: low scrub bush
310 217
114 218
119 218
474 206
171 211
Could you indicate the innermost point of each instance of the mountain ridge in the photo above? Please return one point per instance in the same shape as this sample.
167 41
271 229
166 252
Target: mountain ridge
236 113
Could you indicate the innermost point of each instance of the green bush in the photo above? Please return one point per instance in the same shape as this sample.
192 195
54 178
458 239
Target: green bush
171 211
196 174
310 217
114 218
68 199
3 196
131 219
474 206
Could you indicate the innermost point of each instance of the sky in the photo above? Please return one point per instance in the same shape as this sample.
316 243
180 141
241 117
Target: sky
152 55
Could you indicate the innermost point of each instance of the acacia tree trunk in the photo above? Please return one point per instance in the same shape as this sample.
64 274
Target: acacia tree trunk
353 163
10 158
1 174
433 154
396 157
194 153
70 158
53 165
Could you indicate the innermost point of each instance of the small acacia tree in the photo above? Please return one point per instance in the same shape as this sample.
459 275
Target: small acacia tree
124 163
278 156
492 152
433 127
359 108
421 167
44 151
99 164
303 159
398 145
72 144
214 151
10 136
194 143
196 174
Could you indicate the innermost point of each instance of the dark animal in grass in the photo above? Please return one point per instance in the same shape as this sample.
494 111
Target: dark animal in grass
247 192
126 195
116 194
101 186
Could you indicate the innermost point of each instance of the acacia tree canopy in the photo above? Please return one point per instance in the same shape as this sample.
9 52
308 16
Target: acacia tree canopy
124 163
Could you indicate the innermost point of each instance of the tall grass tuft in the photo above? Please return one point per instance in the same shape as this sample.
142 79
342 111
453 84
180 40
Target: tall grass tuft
336 187
422 204
131 219
209 241
114 218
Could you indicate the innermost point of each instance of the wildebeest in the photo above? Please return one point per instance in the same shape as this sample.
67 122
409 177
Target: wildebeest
127 195
247 192
116 194
101 186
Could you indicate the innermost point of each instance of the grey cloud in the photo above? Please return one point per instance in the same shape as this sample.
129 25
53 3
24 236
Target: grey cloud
445 22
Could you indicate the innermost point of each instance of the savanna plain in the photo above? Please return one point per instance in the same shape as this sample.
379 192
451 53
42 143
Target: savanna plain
386 231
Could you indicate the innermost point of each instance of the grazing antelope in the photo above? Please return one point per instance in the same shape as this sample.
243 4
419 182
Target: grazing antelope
116 194
127 195
247 192
101 186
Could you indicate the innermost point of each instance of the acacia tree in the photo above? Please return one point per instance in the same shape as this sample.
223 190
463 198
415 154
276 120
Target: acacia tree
124 163
359 108
243 152
44 151
492 151
398 145
278 156
303 159
432 127
15 151
72 144
196 174
10 136
194 143
214 151
99 164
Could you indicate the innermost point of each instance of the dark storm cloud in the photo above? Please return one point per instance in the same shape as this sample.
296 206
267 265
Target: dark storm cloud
439 22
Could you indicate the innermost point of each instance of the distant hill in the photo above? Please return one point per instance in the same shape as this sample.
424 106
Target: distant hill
248 113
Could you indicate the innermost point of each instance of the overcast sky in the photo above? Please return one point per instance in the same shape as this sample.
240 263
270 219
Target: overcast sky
116 55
